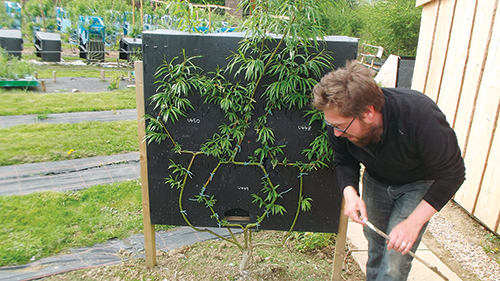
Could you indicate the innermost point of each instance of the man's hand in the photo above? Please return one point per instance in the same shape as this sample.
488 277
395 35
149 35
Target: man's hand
404 235
354 207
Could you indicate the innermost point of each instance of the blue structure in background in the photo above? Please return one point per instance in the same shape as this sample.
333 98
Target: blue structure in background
201 25
126 24
13 10
120 25
225 28
150 22
90 27
63 21
91 34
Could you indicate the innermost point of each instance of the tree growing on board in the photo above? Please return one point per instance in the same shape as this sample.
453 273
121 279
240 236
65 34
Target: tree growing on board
294 60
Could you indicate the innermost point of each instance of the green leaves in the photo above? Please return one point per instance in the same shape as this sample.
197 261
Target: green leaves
233 98
220 146
155 130
14 67
268 203
393 24
176 82
319 149
276 209
294 70
179 169
305 204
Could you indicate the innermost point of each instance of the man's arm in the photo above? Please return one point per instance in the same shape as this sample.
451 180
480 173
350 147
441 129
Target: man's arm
407 231
355 207
345 165
438 148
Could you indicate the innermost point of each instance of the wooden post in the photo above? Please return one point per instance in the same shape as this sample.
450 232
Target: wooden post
54 76
142 16
43 16
103 75
44 89
36 75
338 260
133 14
130 76
149 229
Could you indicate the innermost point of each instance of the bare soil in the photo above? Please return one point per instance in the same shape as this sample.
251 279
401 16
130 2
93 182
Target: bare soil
219 260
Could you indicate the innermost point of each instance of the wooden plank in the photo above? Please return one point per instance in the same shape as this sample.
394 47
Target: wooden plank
149 229
338 259
487 207
479 39
466 122
425 43
388 73
423 2
454 69
440 49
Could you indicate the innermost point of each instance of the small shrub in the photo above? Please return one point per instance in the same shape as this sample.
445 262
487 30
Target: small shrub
308 241
15 68
114 83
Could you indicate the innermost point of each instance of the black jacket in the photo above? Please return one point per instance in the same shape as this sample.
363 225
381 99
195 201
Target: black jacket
417 144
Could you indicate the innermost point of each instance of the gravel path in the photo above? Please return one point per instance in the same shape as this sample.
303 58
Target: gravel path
472 257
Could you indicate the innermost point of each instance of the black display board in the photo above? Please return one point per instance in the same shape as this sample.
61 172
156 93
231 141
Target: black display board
405 72
48 46
233 185
129 47
11 40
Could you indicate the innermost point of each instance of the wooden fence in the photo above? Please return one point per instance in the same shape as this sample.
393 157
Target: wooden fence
458 65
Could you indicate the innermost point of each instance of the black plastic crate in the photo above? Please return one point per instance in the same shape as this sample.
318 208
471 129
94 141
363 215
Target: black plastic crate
48 46
11 40
129 47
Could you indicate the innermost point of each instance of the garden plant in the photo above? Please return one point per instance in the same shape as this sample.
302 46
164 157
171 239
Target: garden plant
13 67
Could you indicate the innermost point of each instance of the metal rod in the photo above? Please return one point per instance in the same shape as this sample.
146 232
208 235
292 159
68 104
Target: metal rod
431 267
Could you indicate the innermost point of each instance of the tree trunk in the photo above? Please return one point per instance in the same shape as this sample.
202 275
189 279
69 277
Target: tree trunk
247 253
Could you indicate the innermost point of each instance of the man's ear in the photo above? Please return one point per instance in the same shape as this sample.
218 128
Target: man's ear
369 112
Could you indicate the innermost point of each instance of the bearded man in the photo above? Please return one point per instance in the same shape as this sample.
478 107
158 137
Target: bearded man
413 164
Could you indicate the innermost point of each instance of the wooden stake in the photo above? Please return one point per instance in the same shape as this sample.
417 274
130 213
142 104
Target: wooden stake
149 229
54 76
130 76
103 74
44 89
142 16
43 16
133 14
338 259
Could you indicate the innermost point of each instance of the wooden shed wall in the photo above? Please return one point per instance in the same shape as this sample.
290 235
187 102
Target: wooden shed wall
458 65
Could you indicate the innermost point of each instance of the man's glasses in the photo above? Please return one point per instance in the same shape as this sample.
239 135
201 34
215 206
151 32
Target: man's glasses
338 129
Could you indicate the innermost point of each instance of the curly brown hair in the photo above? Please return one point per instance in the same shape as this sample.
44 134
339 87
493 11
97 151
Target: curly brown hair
350 89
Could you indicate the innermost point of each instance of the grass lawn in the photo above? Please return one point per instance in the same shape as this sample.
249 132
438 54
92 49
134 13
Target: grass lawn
46 223
20 102
46 70
52 142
